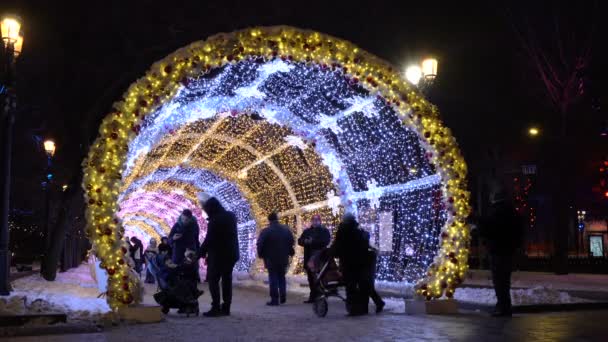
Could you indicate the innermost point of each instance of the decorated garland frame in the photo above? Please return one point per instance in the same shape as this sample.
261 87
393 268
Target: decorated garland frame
105 162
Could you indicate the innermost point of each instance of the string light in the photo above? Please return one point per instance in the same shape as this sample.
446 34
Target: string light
288 120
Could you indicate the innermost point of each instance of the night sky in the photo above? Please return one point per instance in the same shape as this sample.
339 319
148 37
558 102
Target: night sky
80 56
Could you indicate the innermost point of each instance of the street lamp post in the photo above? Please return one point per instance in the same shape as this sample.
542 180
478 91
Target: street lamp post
49 149
423 75
12 43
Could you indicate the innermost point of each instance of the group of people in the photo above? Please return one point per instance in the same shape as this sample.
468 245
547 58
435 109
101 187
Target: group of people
351 246
179 253
501 229
181 250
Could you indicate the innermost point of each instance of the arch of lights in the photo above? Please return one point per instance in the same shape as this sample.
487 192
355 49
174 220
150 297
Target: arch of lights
287 120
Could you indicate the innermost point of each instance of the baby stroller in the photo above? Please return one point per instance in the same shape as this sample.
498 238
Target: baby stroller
178 290
328 280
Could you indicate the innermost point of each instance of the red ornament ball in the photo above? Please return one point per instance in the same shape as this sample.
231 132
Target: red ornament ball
111 271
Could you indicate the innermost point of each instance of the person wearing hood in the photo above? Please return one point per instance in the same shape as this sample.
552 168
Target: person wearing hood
221 251
502 231
275 246
184 235
351 247
150 254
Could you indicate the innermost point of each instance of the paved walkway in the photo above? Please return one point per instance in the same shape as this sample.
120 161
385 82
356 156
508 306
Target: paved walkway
253 321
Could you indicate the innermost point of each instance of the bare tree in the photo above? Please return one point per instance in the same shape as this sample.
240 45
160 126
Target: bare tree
557 47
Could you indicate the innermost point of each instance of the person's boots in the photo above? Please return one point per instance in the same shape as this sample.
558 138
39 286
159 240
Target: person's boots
273 302
380 307
225 309
214 312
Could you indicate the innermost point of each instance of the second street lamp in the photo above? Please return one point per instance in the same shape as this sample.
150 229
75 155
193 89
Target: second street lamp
12 42
423 75
49 149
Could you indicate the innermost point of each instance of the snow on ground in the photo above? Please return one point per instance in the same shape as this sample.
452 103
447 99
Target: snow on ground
73 292
533 296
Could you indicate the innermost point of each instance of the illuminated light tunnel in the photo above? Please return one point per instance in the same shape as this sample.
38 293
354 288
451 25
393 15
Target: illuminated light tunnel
280 119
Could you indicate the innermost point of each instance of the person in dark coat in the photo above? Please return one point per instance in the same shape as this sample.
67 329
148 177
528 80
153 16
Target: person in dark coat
164 243
502 230
221 250
373 258
313 239
137 253
275 246
184 235
351 247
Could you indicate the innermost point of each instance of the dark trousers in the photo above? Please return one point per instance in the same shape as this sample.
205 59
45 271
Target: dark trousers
312 284
277 284
374 295
501 266
215 274
357 292
138 266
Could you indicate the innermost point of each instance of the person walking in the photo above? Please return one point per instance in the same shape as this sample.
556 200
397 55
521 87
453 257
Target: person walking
137 254
502 230
351 247
184 235
149 255
373 259
275 246
313 239
221 250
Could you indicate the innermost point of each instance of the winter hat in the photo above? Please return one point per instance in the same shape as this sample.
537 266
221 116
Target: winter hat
273 217
187 213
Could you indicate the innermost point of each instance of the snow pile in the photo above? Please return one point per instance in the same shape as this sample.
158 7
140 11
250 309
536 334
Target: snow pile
401 289
72 293
396 305
533 296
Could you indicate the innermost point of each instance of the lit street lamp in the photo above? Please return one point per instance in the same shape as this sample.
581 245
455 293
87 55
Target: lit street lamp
533 131
49 149
423 75
12 43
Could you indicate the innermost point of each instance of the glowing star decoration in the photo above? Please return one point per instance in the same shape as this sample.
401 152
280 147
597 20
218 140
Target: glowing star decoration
226 106
329 122
374 193
296 141
333 202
